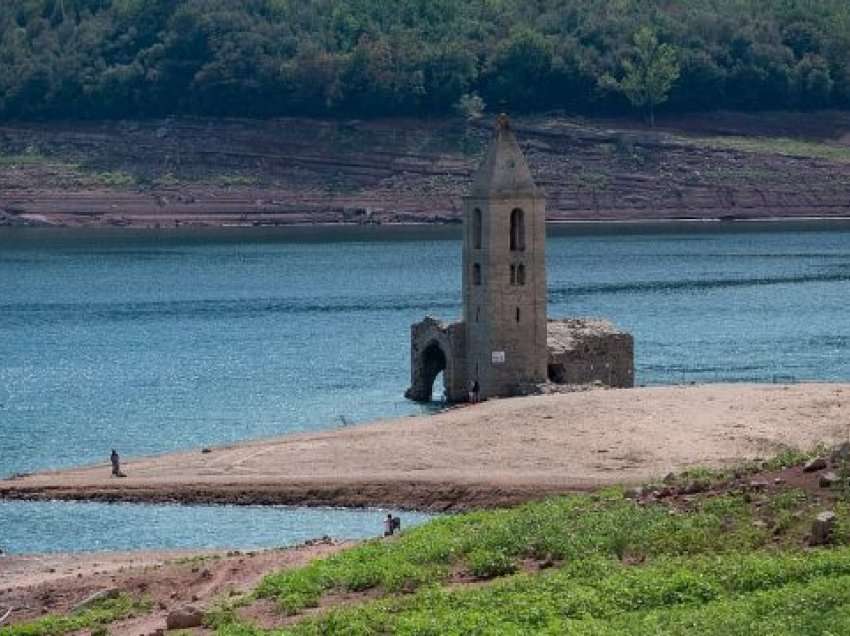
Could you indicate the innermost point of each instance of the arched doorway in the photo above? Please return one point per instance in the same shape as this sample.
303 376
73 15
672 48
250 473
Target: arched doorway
427 366
433 363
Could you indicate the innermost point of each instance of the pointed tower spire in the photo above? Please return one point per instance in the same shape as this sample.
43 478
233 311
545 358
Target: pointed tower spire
504 171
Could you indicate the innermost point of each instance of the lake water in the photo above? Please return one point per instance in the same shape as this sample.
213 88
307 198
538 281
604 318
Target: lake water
38 527
151 342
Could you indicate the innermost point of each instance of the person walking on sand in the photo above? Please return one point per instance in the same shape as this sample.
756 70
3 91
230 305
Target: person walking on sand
116 464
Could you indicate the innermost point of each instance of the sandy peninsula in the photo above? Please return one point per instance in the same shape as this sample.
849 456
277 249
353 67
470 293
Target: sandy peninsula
497 453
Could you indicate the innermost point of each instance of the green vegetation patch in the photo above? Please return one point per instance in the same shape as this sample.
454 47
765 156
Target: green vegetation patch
495 543
782 146
97 614
114 179
27 159
55 171
760 593
716 563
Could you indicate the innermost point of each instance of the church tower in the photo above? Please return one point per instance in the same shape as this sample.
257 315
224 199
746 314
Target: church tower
504 272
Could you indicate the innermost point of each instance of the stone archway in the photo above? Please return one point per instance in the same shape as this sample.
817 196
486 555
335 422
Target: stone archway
436 347
430 363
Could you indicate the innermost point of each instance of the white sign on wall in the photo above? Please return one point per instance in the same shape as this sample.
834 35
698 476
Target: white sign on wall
498 357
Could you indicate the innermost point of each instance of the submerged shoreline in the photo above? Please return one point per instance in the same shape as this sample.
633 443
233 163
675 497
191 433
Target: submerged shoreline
499 453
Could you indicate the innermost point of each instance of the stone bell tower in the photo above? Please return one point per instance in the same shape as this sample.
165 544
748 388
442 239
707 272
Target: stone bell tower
505 341
504 272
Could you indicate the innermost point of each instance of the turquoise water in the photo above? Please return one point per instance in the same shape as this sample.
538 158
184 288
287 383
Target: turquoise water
151 342
39 527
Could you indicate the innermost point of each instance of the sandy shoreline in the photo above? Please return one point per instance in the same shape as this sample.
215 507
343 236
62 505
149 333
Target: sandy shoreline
498 453
24 570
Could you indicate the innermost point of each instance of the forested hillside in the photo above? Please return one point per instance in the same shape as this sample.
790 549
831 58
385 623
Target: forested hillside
147 58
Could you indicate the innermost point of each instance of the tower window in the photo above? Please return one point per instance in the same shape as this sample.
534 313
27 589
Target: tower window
517 230
477 313
476 274
517 314
476 229
518 274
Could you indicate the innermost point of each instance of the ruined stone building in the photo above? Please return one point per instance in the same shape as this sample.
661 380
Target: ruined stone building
505 340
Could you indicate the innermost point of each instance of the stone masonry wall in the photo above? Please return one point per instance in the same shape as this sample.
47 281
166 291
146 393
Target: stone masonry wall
436 346
587 351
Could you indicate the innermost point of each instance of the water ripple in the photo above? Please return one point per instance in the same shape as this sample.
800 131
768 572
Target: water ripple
201 309
557 293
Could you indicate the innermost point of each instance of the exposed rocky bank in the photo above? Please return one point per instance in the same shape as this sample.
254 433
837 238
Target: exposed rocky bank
294 171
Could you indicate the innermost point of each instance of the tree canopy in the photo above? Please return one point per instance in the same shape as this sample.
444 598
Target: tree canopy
650 76
145 58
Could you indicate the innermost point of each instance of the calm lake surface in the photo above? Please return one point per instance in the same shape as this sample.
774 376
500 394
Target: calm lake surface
155 341
31 527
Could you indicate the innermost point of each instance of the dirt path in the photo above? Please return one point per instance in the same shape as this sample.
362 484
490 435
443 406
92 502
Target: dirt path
496 453
37 585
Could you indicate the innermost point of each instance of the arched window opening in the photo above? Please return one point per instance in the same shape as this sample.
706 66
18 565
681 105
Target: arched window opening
513 274
476 229
476 274
520 274
477 313
517 230
517 314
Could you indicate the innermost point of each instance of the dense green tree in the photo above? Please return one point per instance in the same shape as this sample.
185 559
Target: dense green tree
649 74
518 71
139 58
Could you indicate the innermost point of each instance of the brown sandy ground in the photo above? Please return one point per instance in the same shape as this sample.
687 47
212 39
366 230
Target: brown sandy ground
42 584
497 453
